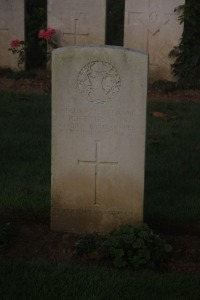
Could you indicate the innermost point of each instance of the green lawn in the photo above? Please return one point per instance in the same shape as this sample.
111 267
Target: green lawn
25 130
171 196
172 188
45 281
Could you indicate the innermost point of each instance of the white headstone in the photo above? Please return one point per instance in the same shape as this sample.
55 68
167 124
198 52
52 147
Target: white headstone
153 26
11 28
78 22
98 137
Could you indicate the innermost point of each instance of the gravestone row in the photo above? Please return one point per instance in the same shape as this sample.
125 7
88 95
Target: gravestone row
150 25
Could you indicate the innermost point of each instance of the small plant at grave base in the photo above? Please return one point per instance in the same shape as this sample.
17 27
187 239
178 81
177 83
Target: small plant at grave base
18 47
135 247
47 37
88 243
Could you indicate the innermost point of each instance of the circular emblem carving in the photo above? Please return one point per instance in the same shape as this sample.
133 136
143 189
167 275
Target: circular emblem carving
99 81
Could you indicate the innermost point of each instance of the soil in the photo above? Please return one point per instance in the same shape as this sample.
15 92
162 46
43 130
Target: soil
30 86
42 85
32 239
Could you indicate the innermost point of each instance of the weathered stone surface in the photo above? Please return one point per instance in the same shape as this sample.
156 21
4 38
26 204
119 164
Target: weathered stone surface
11 28
153 26
98 137
78 22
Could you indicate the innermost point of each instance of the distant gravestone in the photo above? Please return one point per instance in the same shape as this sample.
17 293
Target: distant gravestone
78 22
11 28
153 26
98 137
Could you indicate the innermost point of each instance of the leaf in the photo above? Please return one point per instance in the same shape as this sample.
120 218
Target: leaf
167 248
139 244
158 114
164 116
118 261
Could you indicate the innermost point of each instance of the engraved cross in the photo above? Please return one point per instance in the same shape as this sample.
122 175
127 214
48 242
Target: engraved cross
153 18
4 29
96 164
75 34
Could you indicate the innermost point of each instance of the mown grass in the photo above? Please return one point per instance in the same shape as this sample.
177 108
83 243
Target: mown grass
64 281
172 189
25 130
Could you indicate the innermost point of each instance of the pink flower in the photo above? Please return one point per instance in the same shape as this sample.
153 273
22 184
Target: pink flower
15 43
41 34
48 33
51 31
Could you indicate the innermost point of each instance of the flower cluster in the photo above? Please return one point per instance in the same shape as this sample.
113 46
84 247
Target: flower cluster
47 43
18 47
15 43
48 34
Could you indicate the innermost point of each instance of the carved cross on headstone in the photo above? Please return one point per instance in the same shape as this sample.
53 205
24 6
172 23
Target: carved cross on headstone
153 17
96 162
4 29
75 34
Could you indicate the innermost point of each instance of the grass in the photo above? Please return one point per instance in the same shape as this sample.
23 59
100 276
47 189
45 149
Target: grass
64 281
25 154
171 196
172 164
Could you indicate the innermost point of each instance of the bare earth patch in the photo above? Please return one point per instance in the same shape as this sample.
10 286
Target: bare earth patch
38 86
32 240
42 85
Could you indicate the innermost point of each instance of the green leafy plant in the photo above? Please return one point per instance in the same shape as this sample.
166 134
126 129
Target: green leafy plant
48 40
87 243
186 67
137 247
18 47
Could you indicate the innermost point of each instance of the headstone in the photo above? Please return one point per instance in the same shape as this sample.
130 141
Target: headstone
78 22
153 26
11 28
98 137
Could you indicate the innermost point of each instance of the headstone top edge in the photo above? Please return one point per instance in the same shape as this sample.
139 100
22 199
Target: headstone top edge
119 48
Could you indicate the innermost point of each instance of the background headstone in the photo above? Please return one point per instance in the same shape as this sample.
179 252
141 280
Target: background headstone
153 26
11 28
78 22
98 137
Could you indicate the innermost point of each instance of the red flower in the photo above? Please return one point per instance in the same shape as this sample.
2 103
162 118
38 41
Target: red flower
15 43
51 31
41 34
48 33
